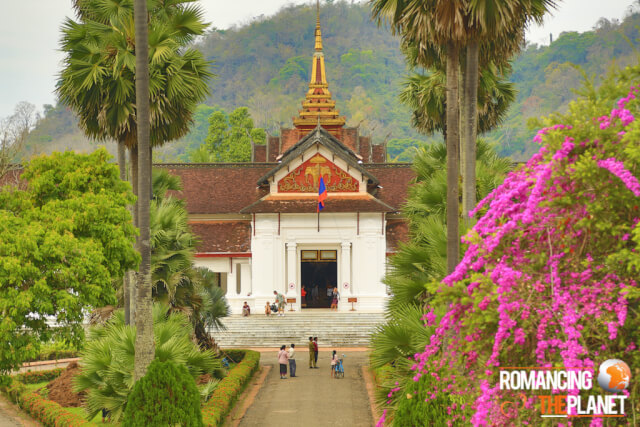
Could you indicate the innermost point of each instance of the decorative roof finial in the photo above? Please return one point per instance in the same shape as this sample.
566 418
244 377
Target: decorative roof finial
318 32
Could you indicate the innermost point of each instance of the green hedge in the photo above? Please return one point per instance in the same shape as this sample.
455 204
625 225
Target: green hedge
32 377
49 413
53 355
222 399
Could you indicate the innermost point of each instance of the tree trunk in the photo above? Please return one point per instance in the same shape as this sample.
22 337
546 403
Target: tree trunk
461 116
144 345
470 132
126 283
453 162
132 277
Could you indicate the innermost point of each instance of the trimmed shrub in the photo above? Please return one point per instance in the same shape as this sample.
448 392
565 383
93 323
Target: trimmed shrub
166 395
221 401
32 377
49 413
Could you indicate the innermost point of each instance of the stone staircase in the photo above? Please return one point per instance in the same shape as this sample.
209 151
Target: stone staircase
333 329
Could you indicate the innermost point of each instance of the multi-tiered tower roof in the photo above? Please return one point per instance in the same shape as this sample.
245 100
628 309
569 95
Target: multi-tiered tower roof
318 107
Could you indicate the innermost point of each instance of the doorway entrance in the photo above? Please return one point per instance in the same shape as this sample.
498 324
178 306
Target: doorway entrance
319 275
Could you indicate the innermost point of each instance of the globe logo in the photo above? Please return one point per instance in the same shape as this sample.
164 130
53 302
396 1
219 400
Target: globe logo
614 375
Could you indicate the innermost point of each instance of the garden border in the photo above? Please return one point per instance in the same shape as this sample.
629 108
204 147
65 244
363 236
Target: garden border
231 386
48 412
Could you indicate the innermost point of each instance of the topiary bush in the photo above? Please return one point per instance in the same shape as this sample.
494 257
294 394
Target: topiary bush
165 396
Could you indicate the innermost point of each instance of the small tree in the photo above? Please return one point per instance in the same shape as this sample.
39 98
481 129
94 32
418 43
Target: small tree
165 396
13 132
230 137
62 243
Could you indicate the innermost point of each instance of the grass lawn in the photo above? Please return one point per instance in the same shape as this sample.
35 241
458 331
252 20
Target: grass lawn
36 386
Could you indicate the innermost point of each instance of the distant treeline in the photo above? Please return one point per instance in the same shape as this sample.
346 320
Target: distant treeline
265 66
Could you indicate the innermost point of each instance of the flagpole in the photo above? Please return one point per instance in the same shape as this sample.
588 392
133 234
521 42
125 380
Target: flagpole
318 220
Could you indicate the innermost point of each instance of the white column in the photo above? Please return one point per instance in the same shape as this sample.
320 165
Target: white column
345 286
245 279
292 263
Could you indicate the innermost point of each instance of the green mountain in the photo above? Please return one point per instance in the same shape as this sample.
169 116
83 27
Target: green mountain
265 65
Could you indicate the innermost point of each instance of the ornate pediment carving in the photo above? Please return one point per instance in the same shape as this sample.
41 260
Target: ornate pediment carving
305 178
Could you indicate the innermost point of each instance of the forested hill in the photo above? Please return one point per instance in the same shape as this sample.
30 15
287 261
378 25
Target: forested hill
265 65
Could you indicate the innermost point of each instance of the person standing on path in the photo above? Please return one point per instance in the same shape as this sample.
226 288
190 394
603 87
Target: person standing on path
292 361
315 350
283 358
312 353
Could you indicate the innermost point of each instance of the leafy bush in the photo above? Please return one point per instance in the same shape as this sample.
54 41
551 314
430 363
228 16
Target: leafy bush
166 395
550 275
229 388
418 406
108 358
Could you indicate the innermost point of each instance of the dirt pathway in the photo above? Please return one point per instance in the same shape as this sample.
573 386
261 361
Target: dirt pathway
11 416
312 399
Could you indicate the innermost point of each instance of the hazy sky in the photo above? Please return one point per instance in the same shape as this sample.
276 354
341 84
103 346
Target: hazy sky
29 32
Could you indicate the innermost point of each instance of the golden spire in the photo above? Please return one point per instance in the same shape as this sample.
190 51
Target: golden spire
318 32
318 105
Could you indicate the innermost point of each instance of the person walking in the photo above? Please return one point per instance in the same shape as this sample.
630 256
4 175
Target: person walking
292 361
315 354
283 358
280 301
312 353
334 362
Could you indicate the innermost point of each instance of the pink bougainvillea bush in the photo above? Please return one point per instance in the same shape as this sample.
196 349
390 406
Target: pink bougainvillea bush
551 272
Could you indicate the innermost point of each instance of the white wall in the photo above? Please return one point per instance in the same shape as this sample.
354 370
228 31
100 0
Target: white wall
338 231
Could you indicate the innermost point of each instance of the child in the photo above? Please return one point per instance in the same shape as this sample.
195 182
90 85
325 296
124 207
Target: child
334 361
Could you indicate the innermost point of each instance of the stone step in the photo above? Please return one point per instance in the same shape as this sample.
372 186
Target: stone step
332 329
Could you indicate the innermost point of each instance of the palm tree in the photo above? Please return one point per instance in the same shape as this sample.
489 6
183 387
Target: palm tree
144 302
436 23
107 366
176 282
440 28
425 95
98 83
422 260
498 26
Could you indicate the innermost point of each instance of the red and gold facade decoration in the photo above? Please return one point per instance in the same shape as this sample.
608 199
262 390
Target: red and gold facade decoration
305 178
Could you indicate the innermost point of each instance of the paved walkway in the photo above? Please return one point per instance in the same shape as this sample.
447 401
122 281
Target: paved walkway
11 416
313 398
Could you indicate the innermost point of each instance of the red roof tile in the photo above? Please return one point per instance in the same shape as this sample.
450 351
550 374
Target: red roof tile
397 231
222 236
394 179
216 188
